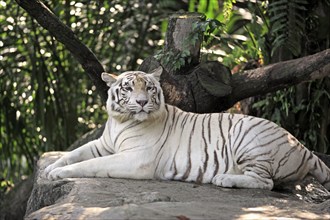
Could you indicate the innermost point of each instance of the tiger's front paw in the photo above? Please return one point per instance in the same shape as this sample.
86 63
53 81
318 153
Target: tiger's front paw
223 180
59 163
50 168
60 173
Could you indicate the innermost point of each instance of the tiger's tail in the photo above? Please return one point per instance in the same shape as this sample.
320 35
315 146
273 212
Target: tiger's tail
320 171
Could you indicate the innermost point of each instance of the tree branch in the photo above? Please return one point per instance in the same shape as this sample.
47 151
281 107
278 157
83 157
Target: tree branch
211 90
279 75
65 35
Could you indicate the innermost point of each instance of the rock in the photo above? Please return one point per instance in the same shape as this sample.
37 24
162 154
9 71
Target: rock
13 205
103 198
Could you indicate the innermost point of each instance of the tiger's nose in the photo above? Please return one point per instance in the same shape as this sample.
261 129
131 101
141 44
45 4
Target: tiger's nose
142 102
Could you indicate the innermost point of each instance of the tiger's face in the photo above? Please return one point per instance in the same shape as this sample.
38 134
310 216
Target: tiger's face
135 95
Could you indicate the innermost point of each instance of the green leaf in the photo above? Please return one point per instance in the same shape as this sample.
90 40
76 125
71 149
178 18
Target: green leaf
279 17
278 9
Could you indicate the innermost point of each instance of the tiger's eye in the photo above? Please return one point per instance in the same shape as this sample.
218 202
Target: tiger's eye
149 88
129 89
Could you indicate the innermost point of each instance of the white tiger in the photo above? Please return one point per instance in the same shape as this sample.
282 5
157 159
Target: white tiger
145 138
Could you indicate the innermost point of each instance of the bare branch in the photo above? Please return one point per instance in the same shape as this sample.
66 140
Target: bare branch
280 75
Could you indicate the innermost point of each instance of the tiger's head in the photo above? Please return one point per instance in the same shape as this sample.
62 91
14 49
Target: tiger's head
135 95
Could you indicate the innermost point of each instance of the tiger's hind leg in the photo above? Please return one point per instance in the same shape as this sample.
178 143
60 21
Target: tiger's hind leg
247 180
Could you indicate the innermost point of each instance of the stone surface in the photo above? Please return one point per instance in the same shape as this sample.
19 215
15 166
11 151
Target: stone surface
13 204
103 198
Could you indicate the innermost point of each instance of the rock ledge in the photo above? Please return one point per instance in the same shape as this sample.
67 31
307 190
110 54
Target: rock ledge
102 198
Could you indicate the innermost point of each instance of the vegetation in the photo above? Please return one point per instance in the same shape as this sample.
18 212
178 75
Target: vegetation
47 101
254 34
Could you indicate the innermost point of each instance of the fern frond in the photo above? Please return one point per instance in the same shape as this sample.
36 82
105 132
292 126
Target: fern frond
278 27
278 8
282 15
276 3
287 24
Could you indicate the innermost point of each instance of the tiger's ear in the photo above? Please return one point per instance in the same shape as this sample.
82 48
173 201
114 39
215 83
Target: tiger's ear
108 78
157 72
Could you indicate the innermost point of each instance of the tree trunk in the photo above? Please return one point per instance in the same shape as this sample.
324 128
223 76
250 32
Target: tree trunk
182 43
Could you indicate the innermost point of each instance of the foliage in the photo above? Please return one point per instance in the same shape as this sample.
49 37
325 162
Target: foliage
175 60
308 120
46 99
275 32
302 109
288 24
238 35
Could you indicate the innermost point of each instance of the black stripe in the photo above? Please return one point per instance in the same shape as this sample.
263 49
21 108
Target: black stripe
132 125
173 164
164 128
298 168
275 131
127 138
105 146
237 134
138 147
92 152
245 133
205 146
229 135
117 95
175 125
199 179
173 160
273 140
174 114
224 150
186 174
192 117
97 150
216 162
260 169
283 160
206 158
222 135
159 139
245 151
257 146
209 128
226 159
251 157
184 120
230 121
